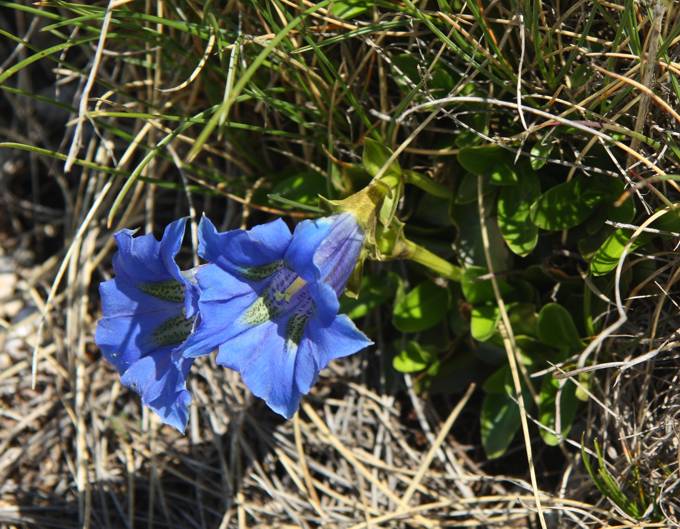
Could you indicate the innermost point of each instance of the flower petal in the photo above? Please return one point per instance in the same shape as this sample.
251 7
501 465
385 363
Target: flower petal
143 258
266 362
162 385
144 261
223 300
337 254
126 331
307 237
235 250
326 249
306 366
340 338
326 303
169 247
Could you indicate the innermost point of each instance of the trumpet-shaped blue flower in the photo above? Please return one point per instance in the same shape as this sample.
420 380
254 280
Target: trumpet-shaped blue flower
149 309
269 302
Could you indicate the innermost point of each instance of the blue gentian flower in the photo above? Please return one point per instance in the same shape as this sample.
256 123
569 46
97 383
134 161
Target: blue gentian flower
148 311
269 302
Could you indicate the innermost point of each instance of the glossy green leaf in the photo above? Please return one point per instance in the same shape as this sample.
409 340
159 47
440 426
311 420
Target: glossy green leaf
413 358
556 328
669 222
375 156
491 161
548 410
469 244
499 417
474 289
540 153
585 381
566 205
500 421
303 187
483 322
467 190
407 74
456 373
513 206
478 291
609 209
607 256
523 318
374 291
421 308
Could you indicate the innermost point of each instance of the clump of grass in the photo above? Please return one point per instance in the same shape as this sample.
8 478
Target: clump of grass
123 114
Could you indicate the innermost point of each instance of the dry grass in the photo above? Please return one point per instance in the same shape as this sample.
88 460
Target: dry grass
76 449
354 456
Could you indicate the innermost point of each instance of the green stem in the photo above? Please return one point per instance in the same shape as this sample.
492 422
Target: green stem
425 257
427 184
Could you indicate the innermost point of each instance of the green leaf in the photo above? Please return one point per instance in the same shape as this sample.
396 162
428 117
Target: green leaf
584 387
607 256
669 222
608 209
405 70
566 205
407 74
474 289
456 373
608 486
483 322
514 206
500 421
499 417
421 308
347 9
556 328
375 156
491 161
413 358
539 154
374 291
467 190
547 409
523 318
478 291
304 187
469 245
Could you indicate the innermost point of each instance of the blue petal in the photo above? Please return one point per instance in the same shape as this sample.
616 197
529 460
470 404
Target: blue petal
143 259
326 302
267 365
121 298
138 258
326 249
124 334
307 237
340 338
223 300
146 316
337 254
279 371
161 382
307 365
238 249
170 244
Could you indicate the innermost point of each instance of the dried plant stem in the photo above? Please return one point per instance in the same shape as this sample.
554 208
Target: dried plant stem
511 351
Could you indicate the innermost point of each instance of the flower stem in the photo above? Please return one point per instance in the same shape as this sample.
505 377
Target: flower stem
425 257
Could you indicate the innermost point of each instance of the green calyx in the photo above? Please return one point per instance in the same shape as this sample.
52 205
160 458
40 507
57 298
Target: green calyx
375 210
